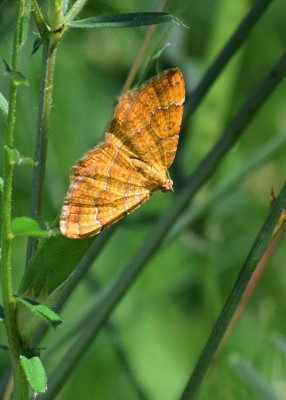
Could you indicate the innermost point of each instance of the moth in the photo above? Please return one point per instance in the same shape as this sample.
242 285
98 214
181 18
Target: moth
121 173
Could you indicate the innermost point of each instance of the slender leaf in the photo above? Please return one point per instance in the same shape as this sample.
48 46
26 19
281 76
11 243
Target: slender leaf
37 44
125 20
25 22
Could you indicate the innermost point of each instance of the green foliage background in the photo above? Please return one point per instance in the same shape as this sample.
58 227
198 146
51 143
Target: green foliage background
165 319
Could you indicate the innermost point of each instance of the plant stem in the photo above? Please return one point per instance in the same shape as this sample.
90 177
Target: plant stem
20 381
49 57
259 248
39 20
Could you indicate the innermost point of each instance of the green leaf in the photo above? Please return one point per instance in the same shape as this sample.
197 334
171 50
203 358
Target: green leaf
25 226
45 273
24 22
3 105
35 373
39 309
8 68
125 20
1 184
46 276
37 44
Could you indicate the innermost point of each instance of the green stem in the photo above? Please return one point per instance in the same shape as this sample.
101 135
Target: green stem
39 20
20 381
49 57
259 247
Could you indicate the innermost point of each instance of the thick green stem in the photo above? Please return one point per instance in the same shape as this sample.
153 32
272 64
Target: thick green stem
49 56
20 381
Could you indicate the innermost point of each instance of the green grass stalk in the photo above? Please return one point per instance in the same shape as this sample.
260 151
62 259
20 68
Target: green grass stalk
20 381
44 116
259 247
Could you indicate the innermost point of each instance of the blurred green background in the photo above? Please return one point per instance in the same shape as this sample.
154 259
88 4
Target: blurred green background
166 317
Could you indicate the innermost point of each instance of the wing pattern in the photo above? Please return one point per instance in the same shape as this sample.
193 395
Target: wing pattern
121 173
